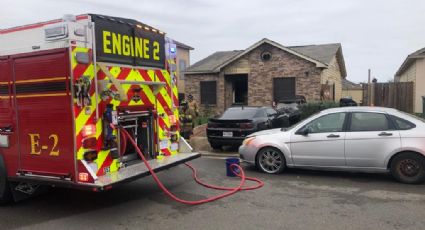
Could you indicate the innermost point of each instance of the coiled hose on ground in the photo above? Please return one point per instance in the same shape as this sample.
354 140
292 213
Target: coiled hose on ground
230 190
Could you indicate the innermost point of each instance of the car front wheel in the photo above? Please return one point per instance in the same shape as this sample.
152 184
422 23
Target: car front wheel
408 168
271 160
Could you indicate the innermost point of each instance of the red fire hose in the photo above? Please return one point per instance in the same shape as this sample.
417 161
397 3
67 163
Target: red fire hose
213 198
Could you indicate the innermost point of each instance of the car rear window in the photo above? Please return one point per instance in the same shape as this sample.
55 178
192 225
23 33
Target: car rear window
240 113
362 121
402 124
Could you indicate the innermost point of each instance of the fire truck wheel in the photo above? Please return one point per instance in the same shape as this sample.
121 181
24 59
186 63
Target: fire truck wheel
5 194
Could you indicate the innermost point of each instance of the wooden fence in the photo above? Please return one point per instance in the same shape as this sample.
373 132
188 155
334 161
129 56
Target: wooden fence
397 95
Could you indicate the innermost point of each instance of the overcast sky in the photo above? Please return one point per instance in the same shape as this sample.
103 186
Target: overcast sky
376 34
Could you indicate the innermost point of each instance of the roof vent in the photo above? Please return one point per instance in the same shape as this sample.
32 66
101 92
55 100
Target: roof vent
266 56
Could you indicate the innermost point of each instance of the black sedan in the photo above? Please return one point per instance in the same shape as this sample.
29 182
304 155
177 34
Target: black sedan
238 122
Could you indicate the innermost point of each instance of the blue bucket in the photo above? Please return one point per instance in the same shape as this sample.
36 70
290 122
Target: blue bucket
229 171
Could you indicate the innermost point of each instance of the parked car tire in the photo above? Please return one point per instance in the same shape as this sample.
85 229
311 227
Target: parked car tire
270 160
408 168
216 146
5 193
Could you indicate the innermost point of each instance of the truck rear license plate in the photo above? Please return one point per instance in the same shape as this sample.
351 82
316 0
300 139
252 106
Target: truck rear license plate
227 134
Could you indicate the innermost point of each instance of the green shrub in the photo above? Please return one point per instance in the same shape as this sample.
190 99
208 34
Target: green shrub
311 108
204 115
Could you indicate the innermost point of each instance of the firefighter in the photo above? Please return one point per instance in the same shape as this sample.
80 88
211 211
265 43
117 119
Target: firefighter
193 105
187 118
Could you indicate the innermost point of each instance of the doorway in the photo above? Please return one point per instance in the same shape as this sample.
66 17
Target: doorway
237 89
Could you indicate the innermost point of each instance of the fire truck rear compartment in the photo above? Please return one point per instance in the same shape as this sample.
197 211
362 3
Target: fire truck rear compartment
141 126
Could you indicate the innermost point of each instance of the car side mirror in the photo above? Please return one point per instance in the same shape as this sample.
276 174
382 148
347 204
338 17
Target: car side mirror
304 131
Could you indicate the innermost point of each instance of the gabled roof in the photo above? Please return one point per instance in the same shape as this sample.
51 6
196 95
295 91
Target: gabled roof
409 60
321 55
324 53
346 84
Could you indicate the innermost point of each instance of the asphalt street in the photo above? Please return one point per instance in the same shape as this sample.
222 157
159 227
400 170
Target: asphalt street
296 199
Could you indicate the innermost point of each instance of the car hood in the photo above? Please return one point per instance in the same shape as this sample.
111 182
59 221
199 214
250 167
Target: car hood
266 132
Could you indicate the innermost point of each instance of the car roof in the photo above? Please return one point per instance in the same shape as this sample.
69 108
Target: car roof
360 109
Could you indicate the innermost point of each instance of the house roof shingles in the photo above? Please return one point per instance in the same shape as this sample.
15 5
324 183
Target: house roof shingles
347 85
322 53
210 63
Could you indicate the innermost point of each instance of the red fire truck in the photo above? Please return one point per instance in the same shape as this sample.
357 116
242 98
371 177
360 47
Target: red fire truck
66 84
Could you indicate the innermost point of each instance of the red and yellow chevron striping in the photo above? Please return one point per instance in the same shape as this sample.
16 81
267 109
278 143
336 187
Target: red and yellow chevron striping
164 103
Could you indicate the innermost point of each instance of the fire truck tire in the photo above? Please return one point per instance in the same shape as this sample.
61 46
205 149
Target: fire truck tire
5 194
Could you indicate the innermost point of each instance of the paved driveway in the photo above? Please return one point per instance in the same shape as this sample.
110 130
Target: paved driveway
294 200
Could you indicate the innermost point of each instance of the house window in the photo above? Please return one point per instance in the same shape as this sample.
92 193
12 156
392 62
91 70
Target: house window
182 68
208 92
283 89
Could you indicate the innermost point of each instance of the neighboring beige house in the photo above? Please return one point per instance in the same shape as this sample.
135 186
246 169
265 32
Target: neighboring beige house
183 62
413 70
264 73
352 90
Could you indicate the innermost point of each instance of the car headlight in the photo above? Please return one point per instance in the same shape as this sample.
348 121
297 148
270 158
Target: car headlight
248 140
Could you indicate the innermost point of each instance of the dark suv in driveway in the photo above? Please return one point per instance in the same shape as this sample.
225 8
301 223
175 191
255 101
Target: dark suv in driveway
236 123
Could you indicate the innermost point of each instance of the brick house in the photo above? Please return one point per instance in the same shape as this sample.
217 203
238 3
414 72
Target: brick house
264 73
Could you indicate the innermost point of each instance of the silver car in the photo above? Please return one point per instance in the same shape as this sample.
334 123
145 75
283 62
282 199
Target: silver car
366 139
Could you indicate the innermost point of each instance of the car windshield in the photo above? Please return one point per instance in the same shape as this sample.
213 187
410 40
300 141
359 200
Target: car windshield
240 113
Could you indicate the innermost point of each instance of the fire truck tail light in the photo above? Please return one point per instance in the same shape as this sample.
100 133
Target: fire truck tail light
172 119
90 143
83 177
173 128
89 130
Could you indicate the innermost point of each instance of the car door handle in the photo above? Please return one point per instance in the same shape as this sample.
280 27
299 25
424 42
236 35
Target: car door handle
332 136
385 134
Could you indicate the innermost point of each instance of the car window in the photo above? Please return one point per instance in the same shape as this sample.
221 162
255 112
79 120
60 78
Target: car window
369 122
240 113
328 123
402 124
